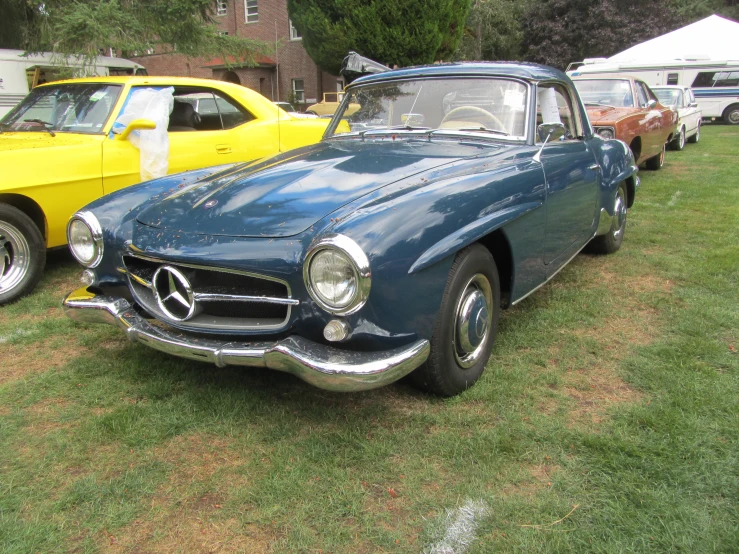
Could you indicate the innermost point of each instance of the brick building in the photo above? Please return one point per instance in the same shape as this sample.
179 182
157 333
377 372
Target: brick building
287 73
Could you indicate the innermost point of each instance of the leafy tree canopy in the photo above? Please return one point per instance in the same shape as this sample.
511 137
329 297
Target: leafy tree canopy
493 30
394 32
557 32
84 27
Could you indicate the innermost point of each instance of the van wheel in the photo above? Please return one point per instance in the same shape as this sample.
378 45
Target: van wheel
22 254
731 115
465 327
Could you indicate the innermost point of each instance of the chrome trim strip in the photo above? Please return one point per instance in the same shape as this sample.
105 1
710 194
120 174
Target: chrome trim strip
325 367
135 254
212 297
551 276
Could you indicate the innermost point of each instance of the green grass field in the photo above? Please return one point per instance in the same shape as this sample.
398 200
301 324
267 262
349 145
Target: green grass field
607 420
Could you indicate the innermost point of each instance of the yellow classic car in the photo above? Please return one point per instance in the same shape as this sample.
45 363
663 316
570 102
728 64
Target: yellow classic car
60 149
327 106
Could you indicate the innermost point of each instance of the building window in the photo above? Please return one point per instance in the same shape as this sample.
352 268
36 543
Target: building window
223 33
299 91
294 33
252 11
221 7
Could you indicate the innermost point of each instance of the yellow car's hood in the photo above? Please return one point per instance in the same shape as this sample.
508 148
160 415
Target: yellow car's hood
33 140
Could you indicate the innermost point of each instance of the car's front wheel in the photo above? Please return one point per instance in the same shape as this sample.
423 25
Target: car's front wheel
678 143
465 326
656 162
611 241
22 254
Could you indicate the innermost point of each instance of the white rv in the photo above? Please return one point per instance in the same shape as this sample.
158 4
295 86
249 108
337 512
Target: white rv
19 73
715 84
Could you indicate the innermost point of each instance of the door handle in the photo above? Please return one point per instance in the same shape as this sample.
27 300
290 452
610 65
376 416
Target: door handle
223 148
594 167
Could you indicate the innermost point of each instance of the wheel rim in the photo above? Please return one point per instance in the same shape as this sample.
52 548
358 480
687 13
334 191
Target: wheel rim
734 117
620 213
698 133
15 257
472 321
662 157
682 138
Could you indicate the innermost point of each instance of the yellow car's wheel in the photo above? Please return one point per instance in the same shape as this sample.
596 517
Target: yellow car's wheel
22 254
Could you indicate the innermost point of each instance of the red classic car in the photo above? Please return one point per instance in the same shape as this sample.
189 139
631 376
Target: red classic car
625 108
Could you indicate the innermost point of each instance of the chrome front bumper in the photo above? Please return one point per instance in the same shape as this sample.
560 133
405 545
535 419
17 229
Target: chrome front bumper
325 367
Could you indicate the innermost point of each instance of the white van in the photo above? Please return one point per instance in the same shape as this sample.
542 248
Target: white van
715 84
19 73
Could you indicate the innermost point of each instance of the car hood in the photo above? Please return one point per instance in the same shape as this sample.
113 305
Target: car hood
10 141
286 198
604 114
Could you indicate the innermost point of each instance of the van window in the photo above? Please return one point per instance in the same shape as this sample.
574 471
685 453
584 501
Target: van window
672 78
717 79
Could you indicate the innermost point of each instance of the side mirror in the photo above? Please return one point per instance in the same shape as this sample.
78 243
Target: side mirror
693 105
550 131
547 132
651 104
137 125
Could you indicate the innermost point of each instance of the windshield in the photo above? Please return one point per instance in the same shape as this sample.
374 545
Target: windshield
496 106
607 92
669 96
73 108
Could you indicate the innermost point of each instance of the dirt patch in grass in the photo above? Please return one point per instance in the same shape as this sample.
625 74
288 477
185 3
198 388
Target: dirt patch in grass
184 515
22 361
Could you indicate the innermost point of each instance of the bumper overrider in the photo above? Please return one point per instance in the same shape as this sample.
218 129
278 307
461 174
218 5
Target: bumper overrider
323 366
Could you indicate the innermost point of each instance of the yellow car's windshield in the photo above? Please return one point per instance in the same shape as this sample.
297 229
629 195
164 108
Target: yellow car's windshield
71 108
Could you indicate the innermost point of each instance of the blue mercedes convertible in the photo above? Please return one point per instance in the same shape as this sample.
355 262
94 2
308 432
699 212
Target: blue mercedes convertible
387 249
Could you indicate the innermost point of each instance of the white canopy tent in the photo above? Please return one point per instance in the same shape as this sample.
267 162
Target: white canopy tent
713 38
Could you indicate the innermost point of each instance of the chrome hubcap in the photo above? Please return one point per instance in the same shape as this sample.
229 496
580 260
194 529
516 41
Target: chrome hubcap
734 116
15 257
682 138
472 321
620 213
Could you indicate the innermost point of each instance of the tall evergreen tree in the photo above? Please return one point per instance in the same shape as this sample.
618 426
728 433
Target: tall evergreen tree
394 32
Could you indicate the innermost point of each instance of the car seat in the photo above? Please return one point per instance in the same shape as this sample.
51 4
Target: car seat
183 117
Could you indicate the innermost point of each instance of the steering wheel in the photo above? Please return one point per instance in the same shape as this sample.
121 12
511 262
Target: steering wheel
473 114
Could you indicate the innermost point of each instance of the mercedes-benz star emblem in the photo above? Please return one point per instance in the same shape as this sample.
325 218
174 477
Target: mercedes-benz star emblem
173 293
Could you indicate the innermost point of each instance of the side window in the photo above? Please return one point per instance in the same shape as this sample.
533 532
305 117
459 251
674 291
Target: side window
704 79
648 92
554 105
641 96
205 110
672 78
727 79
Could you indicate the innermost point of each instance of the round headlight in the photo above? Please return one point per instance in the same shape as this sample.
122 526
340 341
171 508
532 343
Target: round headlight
85 238
606 133
337 275
334 278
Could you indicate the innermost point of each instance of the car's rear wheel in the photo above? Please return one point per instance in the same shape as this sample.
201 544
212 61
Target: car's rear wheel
656 162
611 241
22 254
696 137
678 143
465 326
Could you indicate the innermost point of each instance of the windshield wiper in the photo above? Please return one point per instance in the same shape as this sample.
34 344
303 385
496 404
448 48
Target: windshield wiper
482 130
46 125
407 128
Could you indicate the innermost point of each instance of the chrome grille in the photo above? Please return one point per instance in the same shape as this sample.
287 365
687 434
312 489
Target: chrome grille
209 298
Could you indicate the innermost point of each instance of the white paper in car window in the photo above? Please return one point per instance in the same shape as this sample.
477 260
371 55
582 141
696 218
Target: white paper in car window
514 99
97 95
548 105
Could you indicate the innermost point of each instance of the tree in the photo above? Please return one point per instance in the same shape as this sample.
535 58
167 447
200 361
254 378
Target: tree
556 32
394 32
85 27
493 30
